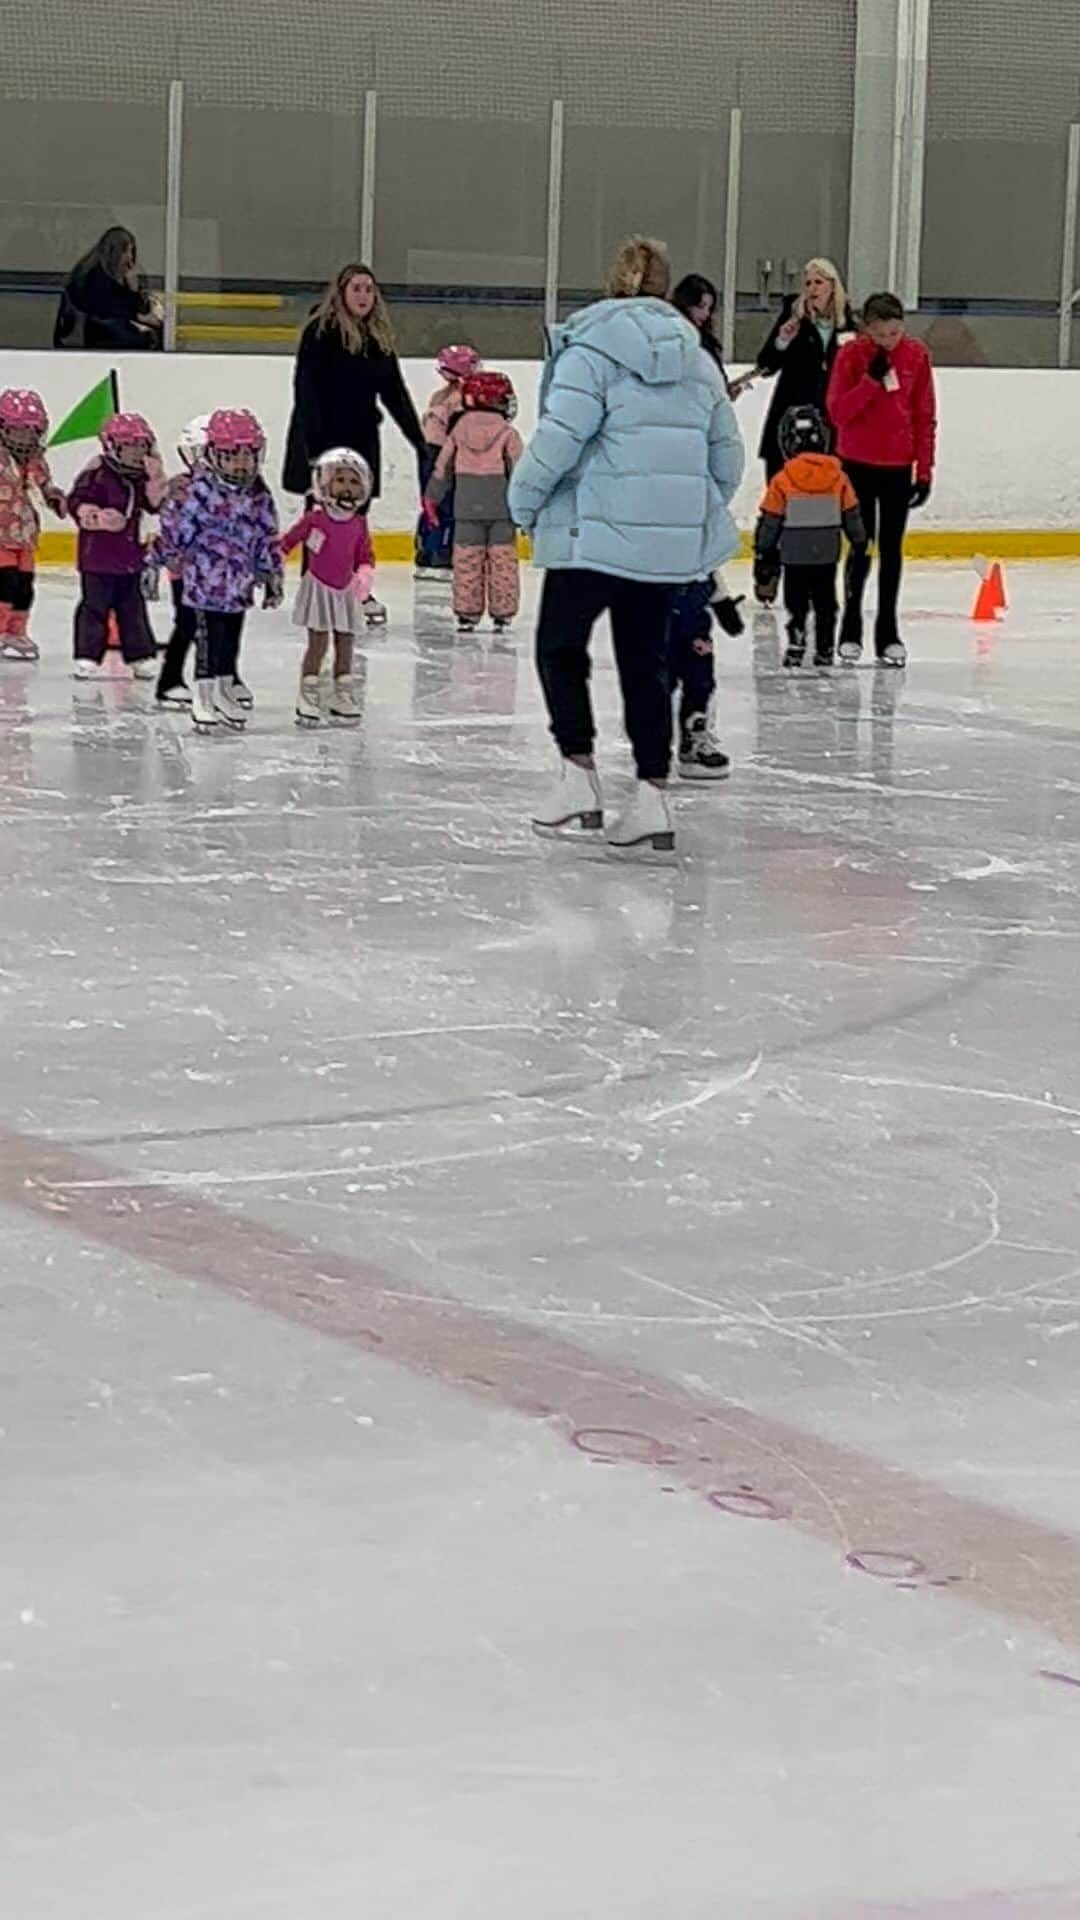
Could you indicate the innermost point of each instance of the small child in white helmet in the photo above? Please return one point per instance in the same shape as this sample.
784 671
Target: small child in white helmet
222 538
172 689
337 579
24 474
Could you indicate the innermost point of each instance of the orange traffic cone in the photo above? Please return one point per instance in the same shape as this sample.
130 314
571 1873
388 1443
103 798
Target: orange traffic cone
112 636
990 599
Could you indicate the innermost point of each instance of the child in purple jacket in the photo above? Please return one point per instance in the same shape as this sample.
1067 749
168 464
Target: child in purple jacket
220 536
107 504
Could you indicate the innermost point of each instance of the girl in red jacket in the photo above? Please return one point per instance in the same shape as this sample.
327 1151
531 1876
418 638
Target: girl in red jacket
881 401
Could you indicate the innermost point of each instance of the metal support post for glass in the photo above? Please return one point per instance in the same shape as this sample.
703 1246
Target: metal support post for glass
554 214
909 151
174 166
367 186
1070 293
731 234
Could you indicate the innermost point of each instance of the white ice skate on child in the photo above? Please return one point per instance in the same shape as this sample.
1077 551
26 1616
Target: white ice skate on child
240 693
88 669
205 717
344 704
646 827
701 757
309 711
373 611
227 706
145 669
574 806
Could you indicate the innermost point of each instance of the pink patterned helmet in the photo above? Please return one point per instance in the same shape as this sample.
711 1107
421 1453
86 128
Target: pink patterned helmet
235 444
456 363
128 441
23 420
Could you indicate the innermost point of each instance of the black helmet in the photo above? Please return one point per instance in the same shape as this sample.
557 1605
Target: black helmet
803 430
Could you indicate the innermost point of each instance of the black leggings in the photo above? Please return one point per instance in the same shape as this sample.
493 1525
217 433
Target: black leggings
217 644
572 602
180 642
884 495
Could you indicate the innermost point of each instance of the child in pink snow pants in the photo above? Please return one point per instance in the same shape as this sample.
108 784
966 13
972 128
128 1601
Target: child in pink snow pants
481 452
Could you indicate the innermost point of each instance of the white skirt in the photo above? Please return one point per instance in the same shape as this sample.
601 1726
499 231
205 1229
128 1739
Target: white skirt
327 609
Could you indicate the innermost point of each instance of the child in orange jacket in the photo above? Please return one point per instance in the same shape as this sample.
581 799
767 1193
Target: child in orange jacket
806 508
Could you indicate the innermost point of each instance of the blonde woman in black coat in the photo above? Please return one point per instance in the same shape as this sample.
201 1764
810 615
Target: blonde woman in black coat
800 350
799 353
347 371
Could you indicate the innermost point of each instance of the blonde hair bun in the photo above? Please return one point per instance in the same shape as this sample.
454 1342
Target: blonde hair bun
641 269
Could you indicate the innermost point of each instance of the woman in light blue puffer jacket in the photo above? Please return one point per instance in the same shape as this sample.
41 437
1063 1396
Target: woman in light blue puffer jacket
625 488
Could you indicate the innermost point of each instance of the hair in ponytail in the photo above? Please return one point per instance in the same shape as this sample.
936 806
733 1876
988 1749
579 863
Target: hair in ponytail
641 268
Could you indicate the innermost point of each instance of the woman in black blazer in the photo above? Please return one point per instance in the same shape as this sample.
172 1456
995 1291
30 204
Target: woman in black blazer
346 370
800 351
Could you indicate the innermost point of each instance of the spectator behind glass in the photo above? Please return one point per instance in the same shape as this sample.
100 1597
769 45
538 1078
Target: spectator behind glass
105 303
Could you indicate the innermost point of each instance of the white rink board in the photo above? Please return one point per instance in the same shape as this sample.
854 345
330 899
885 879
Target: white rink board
1010 438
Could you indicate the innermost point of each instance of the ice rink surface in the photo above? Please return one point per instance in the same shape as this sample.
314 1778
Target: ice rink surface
535 1388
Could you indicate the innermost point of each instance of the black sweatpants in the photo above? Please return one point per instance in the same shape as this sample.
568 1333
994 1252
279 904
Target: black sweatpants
572 602
884 495
217 644
812 589
179 644
120 594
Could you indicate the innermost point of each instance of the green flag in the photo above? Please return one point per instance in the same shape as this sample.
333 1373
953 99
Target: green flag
88 415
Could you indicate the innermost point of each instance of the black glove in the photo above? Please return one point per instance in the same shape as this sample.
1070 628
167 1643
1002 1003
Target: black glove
879 365
727 616
920 494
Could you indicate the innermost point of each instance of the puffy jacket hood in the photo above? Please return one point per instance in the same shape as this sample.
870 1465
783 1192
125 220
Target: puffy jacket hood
814 472
648 337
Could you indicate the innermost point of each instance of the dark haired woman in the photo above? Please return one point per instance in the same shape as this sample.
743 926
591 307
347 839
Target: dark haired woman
882 402
696 299
105 302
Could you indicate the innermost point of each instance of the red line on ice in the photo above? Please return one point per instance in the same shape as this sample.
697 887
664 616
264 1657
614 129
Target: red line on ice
614 1412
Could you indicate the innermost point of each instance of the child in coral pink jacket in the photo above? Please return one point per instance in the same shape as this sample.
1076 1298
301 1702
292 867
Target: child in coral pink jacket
481 452
24 472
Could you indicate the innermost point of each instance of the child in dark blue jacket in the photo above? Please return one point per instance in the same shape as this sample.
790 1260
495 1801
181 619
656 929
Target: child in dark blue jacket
692 671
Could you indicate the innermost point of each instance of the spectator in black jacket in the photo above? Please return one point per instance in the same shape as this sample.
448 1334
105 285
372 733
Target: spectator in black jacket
800 351
346 367
105 303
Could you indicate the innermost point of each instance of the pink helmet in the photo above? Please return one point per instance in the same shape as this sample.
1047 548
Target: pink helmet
23 419
456 363
233 427
127 440
235 443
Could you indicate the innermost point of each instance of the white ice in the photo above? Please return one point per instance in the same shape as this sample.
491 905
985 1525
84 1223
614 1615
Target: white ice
359 1151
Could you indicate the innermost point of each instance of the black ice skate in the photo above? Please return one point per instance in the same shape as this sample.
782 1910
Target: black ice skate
795 652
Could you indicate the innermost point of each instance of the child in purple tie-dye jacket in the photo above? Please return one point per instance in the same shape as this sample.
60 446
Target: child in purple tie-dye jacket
220 536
